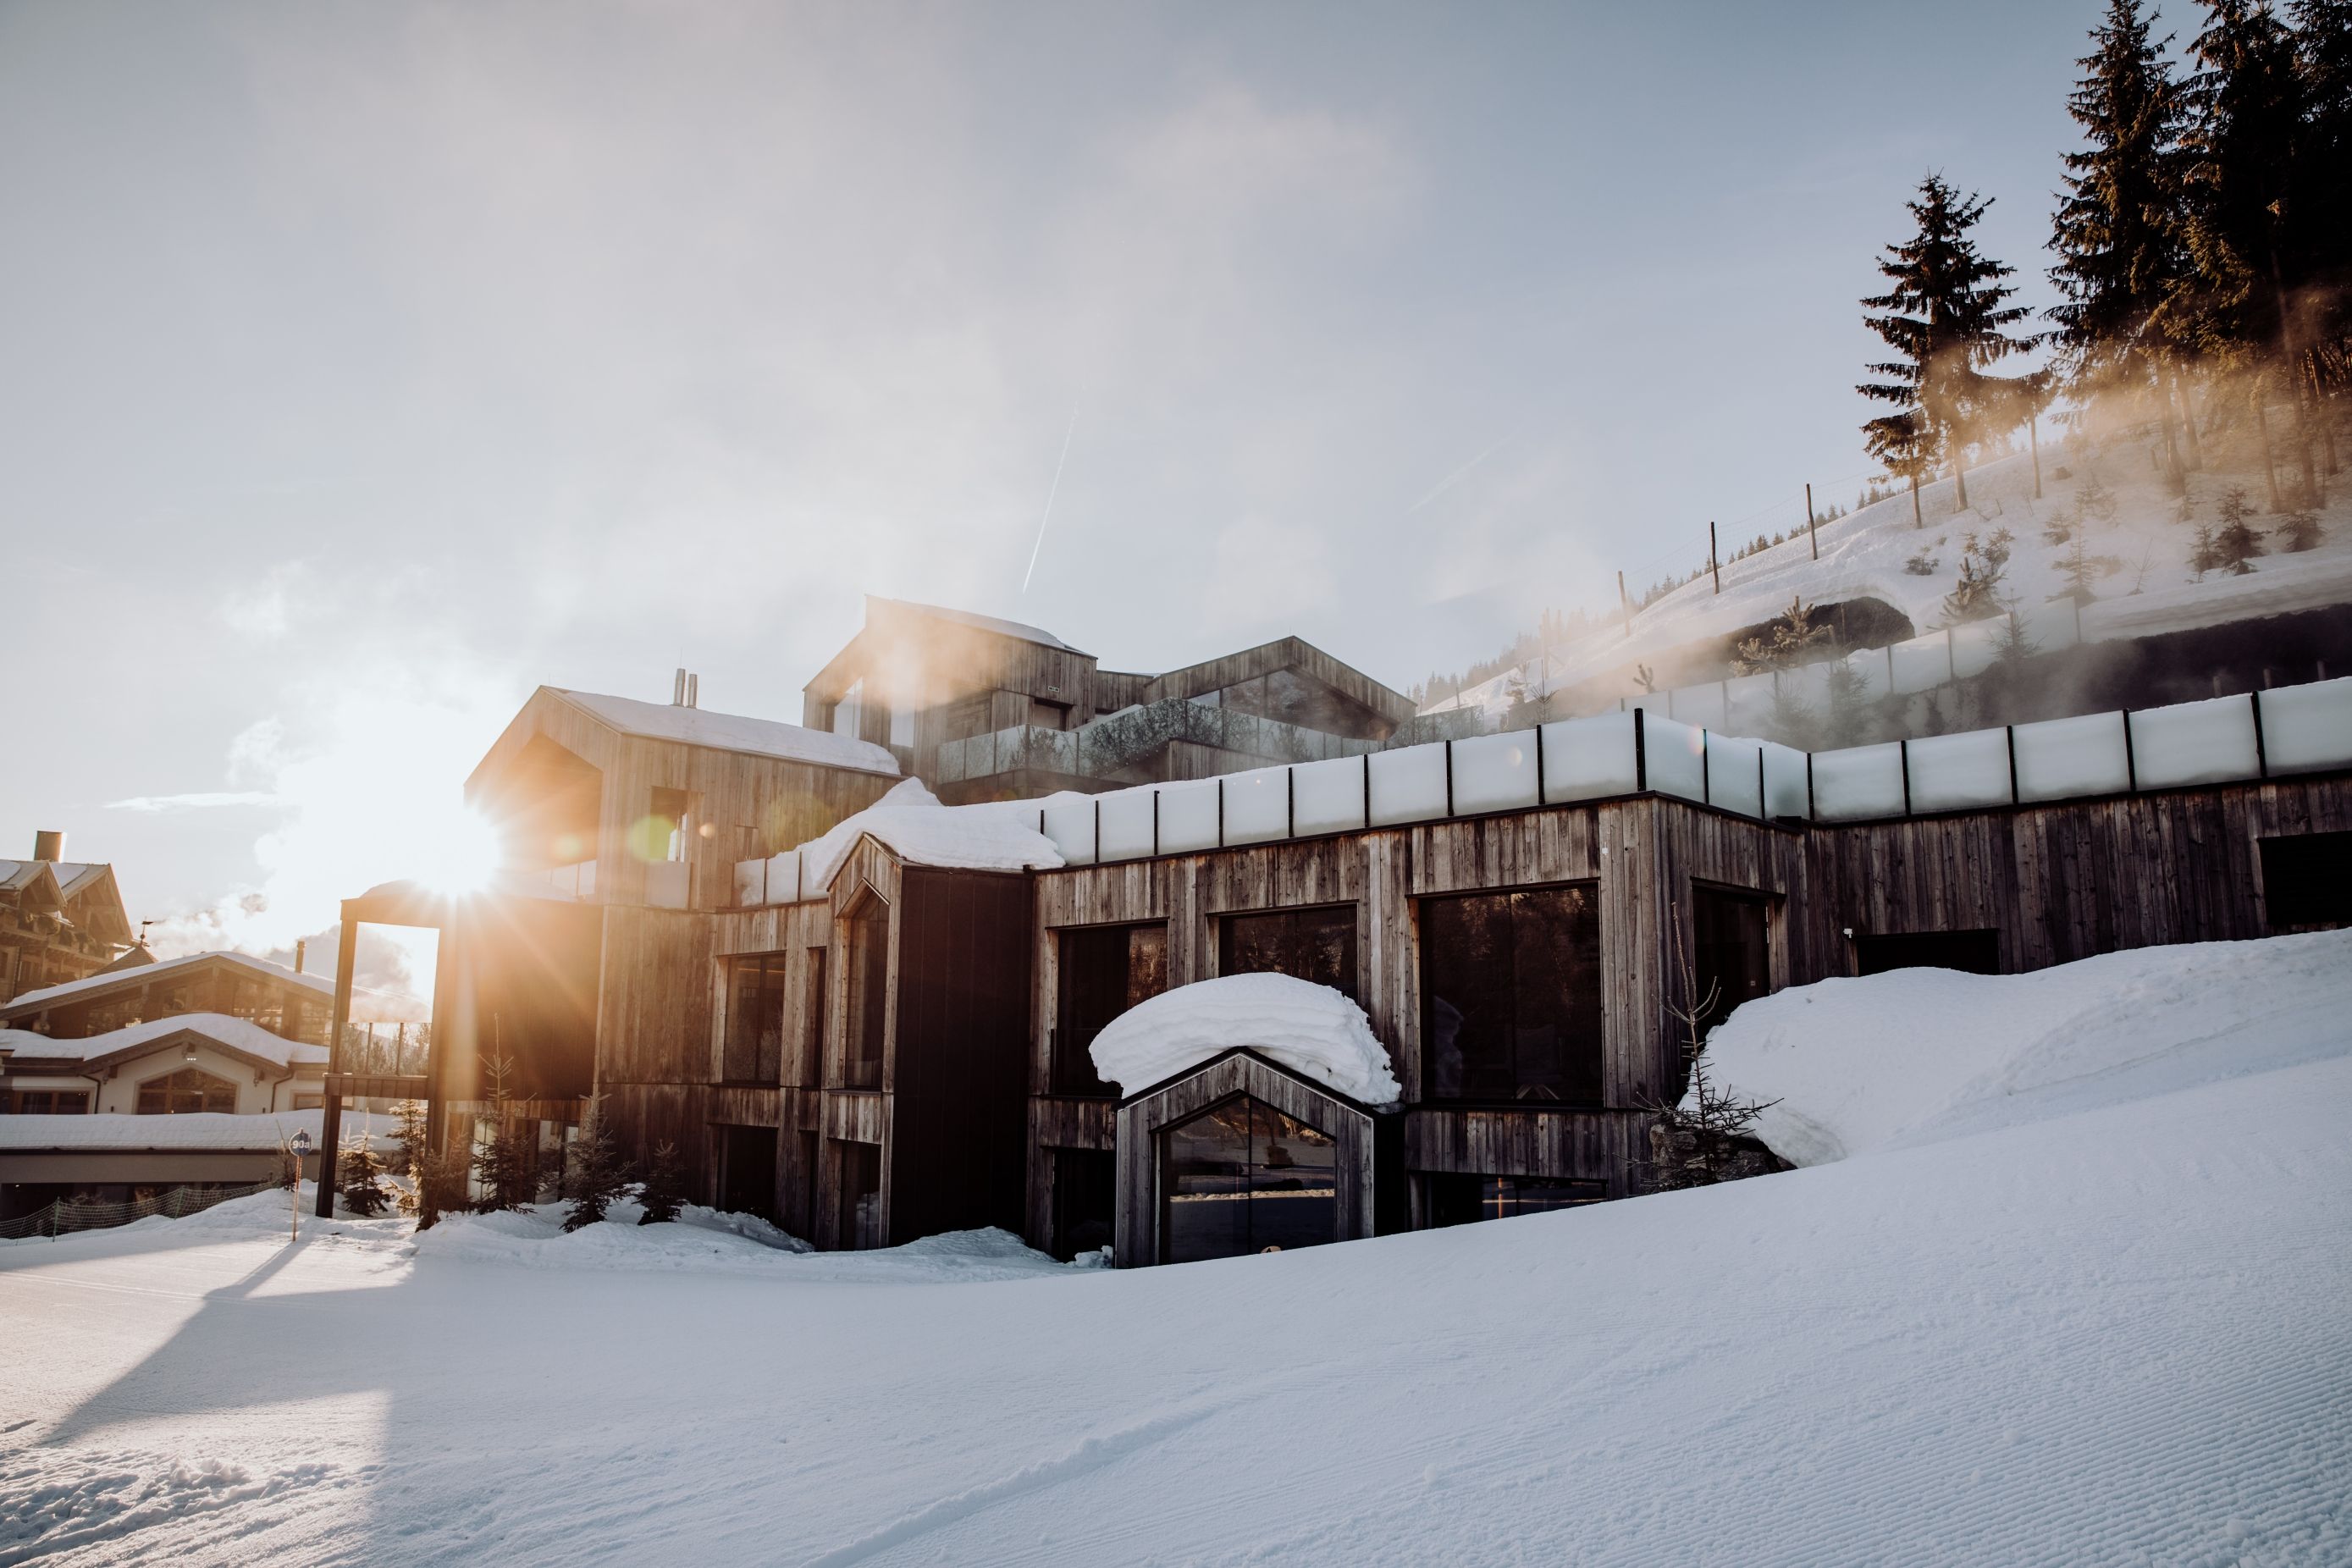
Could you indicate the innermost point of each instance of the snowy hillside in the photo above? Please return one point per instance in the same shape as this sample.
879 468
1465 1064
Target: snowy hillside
2139 558
2102 1325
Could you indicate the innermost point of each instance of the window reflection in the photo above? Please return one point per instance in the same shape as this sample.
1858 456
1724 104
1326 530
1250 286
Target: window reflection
1511 996
1243 1177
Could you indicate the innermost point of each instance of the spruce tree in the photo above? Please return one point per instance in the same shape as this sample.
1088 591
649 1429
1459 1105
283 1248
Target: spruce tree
2118 230
2323 45
510 1166
1946 317
665 1188
359 1169
596 1172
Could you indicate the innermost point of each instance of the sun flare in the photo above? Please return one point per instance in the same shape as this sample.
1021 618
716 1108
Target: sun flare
465 855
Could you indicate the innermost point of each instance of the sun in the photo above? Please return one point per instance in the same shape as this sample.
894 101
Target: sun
464 855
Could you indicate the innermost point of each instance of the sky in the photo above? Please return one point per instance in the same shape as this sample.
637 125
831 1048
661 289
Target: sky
368 365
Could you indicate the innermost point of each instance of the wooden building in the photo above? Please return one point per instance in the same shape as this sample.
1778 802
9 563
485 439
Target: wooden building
290 1005
59 920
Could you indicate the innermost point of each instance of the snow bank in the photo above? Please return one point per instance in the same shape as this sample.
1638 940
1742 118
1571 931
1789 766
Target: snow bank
1920 1055
239 1034
1311 1029
192 1130
996 836
734 732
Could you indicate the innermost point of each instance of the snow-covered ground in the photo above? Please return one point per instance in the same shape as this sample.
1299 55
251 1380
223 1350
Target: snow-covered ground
2140 555
2101 1325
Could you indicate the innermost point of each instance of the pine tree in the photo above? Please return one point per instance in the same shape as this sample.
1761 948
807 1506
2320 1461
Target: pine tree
1946 318
1790 640
2234 544
596 1172
408 1122
2323 46
2079 571
361 1191
509 1164
1848 722
2117 231
1974 597
2297 530
665 1189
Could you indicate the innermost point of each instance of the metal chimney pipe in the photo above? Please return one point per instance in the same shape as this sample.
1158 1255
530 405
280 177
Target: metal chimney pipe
678 687
301 948
694 691
50 843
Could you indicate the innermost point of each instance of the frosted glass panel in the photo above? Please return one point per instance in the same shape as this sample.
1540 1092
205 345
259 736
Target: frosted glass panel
1949 771
2051 627
751 884
2059 757
1257 806
2308 727
2195 742
1975 646
1673 760
1807 686
667 882
1188 817
1408 785
1734 777
1070 824
815 880
1495 772
1123 829
1327 796
1588 759
1784 782
1698 705
1859 782
784 877
1869 666
1921 664
1748 702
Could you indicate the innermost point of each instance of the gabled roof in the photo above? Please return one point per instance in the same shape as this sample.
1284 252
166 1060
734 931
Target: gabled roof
729 732
1026 633
238 1037
48 884
145 974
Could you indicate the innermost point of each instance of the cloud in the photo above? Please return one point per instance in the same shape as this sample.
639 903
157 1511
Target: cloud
198 800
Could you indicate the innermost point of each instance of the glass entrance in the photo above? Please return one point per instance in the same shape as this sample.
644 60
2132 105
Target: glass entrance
1243 1177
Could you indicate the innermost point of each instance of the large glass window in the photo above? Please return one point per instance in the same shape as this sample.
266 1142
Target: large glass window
868 934
747 1171
1243 1177
1455 1198
1085 1193
753 1051
188 1090
1104 971
1969 951
1511 987
1731 962
2307 880
52 1101
1317 944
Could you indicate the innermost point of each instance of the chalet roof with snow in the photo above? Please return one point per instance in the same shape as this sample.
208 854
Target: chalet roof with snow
728 731
238 1037
97 987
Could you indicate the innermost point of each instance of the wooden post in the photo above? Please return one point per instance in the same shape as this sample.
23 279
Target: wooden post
1810 533
2033 437
330 1115
1625 604
1714 559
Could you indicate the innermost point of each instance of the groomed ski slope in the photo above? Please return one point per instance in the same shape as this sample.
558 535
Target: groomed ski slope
2086 1329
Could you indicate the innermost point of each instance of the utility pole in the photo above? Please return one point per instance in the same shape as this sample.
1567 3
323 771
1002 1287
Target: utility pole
1810 533
1625 604
1713 560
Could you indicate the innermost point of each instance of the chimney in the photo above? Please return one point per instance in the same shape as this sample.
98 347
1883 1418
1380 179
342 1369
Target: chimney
301 947
694 691
50 843
678 687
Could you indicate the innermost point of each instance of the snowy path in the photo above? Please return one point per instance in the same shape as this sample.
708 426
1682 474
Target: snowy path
2120 1336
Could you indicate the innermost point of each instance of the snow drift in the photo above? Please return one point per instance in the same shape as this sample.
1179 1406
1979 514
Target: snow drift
1919 1055
1308 1028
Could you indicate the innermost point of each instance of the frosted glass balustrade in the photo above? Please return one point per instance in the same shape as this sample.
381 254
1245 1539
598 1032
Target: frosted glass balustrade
1786 792
1495 772
1328 796
751 884
1124 823
2306 728
1589 759
1408 785
1070 824
1700 707
2059 758
1674 758
1952 772
1188 817
1257 806
1858 783
2194 743
1976 646
1735 774
1920 664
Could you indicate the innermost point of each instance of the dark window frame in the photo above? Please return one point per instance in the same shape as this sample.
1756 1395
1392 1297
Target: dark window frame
1704 962
862 1060
1253 1177
751 1041
1509 1195
1231 922
1880 953
1069 1069
2307 879
1588 1055
185 1083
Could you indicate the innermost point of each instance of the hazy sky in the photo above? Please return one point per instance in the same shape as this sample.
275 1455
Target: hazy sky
363 365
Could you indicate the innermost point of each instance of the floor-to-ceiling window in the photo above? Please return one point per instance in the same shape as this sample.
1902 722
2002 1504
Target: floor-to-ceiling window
867 938
1103 972
1244 1177
753 1051
1316 944
1730 957
1510 986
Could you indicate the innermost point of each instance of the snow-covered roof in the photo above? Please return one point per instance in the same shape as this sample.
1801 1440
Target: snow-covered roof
732 732
235 1033
994 835
195 1130
1311 1029
1026 633
72 876
147 973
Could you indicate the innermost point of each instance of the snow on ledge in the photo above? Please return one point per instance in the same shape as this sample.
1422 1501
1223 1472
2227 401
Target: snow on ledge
1917 1056
998 836
1311 1029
